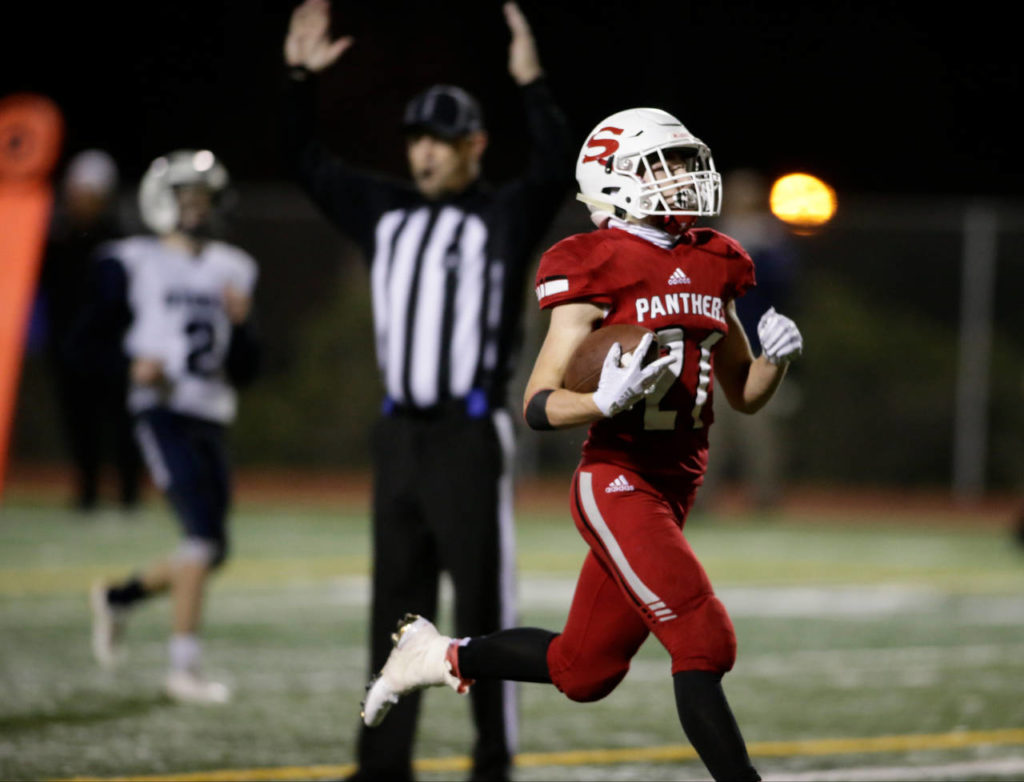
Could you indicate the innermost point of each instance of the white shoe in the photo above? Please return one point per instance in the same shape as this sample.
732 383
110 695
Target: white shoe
422 657
191 687
107 627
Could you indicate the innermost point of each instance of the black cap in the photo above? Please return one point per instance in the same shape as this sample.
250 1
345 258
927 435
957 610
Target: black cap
443 110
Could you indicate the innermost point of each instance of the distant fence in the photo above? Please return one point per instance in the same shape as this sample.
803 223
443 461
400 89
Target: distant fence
913 373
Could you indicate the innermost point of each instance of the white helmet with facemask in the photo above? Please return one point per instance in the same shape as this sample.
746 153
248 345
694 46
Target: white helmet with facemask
158 202
629 167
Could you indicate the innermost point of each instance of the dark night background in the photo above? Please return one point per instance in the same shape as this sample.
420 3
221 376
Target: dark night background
893 98
908 111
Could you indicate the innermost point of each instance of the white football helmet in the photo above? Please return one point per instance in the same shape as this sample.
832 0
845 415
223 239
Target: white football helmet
157 200
619 166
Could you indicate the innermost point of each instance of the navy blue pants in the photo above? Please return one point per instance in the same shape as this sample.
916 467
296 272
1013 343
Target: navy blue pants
188 461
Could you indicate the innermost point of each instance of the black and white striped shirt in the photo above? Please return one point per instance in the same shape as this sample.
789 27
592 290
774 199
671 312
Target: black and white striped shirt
447 276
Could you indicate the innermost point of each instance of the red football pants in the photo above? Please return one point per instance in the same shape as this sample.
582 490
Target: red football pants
639 577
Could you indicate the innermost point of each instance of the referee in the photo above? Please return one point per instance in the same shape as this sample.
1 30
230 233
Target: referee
449 259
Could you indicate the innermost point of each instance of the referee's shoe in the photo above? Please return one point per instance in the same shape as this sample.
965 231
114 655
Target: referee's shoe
422 657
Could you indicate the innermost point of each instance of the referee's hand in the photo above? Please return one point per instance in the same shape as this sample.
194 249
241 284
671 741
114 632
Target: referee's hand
308 43
523 60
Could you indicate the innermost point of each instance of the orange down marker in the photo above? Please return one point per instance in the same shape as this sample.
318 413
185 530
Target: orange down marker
31 131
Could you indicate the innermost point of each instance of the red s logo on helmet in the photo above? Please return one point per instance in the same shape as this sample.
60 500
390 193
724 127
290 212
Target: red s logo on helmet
605 146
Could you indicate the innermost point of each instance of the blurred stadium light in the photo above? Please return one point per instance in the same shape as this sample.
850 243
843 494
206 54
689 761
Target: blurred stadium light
803 201
911 375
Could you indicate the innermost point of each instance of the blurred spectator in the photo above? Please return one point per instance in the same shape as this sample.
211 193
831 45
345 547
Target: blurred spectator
752 448
88 369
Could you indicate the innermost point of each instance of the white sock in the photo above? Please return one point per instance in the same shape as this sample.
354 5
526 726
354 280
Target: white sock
184 650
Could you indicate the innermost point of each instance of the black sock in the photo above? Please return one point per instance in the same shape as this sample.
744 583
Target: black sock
710 726
519 654
127 592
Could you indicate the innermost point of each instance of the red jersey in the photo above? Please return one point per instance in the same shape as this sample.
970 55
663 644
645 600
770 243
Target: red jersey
680 294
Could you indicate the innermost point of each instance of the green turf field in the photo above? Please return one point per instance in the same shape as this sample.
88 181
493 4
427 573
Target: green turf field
888 650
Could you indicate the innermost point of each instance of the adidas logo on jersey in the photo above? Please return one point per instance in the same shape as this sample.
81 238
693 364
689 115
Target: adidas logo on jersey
619 484
679 278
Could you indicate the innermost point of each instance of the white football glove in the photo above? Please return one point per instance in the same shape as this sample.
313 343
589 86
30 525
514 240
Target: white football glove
781 341
621 387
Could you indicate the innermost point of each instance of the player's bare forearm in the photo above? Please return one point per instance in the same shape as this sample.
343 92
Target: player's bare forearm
147 372
237 305
546 405
560 408
747 382
763 380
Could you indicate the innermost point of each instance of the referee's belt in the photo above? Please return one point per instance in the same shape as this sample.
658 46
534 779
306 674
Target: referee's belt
474 405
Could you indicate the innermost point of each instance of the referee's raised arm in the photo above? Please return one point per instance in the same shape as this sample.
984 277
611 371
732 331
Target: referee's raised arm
535 195
551 152
348 196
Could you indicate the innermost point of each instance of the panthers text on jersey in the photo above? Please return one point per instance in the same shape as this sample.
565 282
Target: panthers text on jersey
177 304
680 294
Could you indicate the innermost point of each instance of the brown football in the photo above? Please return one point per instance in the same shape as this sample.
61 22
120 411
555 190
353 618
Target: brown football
584 368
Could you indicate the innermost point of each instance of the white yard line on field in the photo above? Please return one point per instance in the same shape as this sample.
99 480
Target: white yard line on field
1011 768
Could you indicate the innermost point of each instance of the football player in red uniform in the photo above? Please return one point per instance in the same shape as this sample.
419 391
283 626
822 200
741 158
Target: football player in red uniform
646 180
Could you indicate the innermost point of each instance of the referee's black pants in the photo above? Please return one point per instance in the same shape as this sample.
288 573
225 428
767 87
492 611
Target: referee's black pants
442 501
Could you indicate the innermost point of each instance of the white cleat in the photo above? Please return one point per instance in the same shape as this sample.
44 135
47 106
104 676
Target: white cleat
107 627
190 687
420 659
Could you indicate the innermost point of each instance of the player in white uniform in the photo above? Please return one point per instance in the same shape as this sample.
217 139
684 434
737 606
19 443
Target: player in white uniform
190 345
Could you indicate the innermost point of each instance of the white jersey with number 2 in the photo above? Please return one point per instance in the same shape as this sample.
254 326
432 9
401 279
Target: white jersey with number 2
179 319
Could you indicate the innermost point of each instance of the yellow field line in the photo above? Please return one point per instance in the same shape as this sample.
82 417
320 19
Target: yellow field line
62 579
595 757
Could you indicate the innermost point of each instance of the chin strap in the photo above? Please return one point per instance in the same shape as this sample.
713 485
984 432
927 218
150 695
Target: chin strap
600 212
603 207
604 215
594 203
645 231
